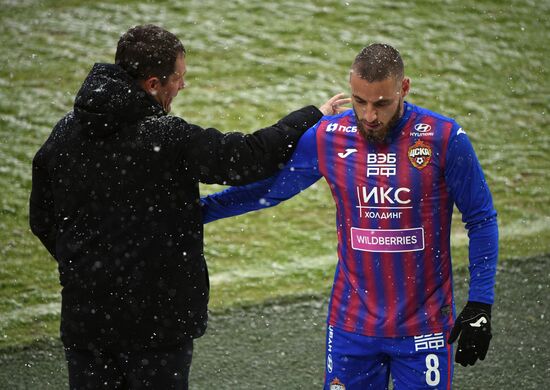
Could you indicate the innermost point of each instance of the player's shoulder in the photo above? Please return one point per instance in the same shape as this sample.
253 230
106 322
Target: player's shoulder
444 124
343 122
427 113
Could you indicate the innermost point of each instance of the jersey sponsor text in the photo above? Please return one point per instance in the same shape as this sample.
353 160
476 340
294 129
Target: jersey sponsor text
387 240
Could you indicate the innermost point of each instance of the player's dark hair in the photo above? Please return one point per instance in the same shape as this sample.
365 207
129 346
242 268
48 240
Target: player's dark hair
148 50
377 62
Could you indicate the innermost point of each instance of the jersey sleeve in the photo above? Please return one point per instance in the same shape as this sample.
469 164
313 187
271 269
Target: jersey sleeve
471 194
298 174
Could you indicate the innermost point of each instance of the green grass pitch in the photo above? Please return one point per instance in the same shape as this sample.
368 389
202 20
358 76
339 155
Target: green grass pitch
484 63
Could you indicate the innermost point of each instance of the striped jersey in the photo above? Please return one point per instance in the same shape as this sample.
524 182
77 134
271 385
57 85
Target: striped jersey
394 204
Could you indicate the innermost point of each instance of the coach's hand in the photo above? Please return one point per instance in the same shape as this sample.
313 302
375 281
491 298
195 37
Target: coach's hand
474 327
335 105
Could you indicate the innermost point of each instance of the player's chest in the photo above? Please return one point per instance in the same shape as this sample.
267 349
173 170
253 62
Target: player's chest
382 172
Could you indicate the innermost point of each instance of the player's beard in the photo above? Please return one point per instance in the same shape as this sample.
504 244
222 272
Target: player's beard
379 135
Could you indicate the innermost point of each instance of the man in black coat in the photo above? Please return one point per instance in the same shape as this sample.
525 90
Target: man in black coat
115 200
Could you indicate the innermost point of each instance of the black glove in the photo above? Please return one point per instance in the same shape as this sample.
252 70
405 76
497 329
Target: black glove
474 327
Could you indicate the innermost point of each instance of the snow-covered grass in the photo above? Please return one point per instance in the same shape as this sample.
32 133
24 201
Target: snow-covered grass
250 62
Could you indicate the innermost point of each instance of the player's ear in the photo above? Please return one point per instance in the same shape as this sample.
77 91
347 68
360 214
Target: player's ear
405 86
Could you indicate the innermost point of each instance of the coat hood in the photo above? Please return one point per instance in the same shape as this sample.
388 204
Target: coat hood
109 99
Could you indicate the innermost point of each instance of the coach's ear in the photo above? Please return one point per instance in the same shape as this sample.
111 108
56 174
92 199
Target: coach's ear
151 85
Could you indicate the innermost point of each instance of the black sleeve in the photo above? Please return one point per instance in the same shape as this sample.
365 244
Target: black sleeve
41 205
237 159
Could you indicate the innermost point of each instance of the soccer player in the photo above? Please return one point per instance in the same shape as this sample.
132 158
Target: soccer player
395 171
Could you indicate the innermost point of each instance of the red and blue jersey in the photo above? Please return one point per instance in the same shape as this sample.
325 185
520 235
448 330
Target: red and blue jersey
394 203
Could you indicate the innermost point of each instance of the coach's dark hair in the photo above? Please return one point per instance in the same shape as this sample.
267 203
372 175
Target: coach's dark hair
377 62
148 50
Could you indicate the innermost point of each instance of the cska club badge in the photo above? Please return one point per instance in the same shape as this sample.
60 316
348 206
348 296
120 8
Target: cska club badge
420 154
337 385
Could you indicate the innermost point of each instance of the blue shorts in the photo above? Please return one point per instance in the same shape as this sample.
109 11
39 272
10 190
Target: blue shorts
355 361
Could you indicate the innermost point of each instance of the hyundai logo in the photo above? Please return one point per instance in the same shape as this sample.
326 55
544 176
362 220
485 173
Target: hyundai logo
422 127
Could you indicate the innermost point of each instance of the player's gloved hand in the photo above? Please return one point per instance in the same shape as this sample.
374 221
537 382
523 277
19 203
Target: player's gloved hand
474 327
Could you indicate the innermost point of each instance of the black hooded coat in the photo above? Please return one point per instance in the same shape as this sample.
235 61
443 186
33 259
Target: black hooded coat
115 200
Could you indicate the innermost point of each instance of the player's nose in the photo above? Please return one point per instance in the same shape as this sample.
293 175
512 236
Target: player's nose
370 114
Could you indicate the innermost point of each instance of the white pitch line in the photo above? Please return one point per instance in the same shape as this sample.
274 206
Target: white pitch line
30 313
274 269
